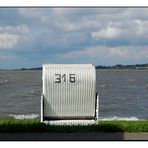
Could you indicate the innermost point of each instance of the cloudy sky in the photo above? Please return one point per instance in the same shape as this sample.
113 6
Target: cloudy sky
30 37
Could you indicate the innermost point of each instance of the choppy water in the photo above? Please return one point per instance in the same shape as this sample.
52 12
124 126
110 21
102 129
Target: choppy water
123 94
20 92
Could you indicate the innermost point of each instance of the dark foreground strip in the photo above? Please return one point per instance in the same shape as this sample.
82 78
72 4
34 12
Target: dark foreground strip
92 136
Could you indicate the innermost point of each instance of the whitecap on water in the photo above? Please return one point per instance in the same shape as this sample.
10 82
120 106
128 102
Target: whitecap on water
103 86
123 98
21 117
3 81
32 91
120 118
36 116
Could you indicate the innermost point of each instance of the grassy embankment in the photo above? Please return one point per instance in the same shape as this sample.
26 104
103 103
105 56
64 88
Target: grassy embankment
102 126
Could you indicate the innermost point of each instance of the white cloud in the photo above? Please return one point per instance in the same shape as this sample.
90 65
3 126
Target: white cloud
107 33
8 40
12 36
17 29
134 31
104 52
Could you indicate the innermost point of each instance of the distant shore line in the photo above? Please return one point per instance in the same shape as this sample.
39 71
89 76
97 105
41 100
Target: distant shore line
101 67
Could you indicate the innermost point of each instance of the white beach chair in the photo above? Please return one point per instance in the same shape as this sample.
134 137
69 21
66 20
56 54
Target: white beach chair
69 94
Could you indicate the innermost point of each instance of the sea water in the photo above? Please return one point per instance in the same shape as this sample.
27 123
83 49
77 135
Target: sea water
123 94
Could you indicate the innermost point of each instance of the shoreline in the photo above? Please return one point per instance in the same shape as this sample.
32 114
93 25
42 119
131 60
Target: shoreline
122 69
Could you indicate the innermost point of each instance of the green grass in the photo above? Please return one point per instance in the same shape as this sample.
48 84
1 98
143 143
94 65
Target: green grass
13 125
124 126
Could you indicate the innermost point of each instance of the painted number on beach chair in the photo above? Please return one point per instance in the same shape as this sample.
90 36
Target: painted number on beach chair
62 78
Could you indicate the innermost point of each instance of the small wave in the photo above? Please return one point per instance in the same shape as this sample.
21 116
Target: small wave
32 91
21 117
3 81
120 118
103 86
131 80
133 86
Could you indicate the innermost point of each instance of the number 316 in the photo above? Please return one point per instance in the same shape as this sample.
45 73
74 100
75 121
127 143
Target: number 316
60 78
